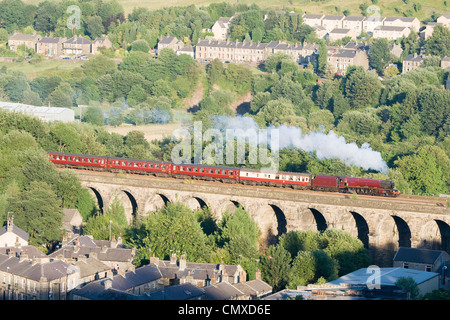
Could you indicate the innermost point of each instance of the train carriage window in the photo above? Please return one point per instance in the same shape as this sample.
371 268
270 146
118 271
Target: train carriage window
230 172
202 170
217 171
95 160
224 171
123 163
163 166
63 157
77 159
194 169
181 168
150 165
156 166
211 171
144 165
188 169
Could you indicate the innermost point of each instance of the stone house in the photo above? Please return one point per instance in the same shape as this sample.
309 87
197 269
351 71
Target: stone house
72 222
313 20
391 33
200 274
48 46
330 22
424 260
170 42
339 34
101 43
396 50
427 31
354 22
370 23
112 253
444 19
221 28
24 278
189 50
412 61
29 40
410 22
340 60
77 46
12 236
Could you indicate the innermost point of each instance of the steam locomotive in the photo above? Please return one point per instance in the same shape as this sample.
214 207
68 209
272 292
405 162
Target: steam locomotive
301 181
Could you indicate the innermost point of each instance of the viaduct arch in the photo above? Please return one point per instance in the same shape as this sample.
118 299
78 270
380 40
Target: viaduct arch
380 224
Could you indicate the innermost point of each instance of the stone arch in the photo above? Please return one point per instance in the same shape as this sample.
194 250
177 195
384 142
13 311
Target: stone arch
155 202
404 232
230 206
444 230
362 228
129 203
96 194
271 220
195 203
321 222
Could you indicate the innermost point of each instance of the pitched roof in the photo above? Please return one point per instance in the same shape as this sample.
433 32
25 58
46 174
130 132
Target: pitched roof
16 230
33 270
355 18
253 287
221 291
333 17
23 36
49 40
185 291
417 255
78 40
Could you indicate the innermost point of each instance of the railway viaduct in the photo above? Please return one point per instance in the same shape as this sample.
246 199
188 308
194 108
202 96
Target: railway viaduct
381 224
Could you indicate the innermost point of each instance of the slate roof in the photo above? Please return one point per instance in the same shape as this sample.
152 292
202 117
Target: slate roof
30 251
33 270
412 57
333 17
417 255
185 291
253 287
87 246
78 40
23 36
355 18
222 291
16 230
49 40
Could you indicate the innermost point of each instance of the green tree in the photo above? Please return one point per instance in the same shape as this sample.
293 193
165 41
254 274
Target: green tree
140 45
94 115
362 88
37 210
174 228
409 286
94 27
439 42
276 267
380 55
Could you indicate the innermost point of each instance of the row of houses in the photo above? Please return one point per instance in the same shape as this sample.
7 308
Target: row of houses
55 47
81 268
339 58
335 27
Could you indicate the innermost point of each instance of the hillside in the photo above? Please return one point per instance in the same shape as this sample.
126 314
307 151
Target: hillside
388 7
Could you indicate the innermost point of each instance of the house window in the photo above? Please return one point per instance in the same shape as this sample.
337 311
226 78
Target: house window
405 265
428 268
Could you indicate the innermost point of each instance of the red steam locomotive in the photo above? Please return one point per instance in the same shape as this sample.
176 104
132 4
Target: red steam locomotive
305 181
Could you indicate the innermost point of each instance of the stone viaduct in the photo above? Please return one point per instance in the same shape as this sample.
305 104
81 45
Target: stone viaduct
381 224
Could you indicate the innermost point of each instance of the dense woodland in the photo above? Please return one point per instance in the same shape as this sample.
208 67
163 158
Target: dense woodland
403 116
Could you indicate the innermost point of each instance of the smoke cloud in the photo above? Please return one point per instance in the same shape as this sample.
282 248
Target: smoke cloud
326 146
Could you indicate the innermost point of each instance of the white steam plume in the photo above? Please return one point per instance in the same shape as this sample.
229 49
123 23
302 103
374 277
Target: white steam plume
326 146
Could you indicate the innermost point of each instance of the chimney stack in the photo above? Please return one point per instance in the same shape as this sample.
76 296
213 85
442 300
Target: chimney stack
182 262
173 258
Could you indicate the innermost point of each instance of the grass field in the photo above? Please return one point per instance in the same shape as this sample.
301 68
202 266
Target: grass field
45 67
388 7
